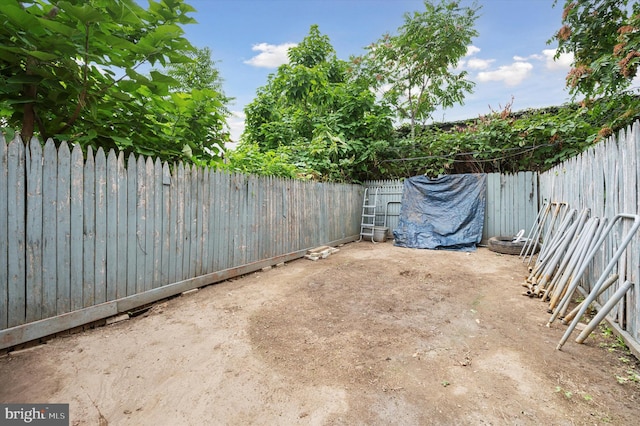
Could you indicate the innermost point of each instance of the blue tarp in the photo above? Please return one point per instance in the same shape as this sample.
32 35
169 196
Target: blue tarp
446 213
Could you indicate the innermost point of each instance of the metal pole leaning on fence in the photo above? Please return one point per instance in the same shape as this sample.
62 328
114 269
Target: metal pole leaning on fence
572 279
554 243
604 311
559 253
547 237
568 278
596 288
612 279
536 236
562 308
532 238
569 253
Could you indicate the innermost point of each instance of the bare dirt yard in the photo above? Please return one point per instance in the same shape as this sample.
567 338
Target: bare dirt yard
372 335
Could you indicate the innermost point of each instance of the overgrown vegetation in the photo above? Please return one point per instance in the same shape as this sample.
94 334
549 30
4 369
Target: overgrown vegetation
508 142
299 116
71 70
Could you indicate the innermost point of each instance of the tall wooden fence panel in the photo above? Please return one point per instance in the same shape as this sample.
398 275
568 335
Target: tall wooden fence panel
605 179
512 203
84 237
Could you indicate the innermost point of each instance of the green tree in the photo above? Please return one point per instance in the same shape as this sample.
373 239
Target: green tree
330 119
604 38
200 105
70 70
414 69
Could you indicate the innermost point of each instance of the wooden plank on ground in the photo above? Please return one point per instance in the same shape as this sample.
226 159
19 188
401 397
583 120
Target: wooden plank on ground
46 327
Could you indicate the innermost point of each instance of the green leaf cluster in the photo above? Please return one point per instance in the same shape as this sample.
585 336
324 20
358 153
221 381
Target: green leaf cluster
71 70
329 121
604 38
506 141
414 69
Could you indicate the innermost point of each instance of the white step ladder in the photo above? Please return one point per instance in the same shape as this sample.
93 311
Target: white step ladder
368 221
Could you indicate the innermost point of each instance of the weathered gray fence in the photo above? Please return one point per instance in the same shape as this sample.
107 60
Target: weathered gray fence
512 203
605 179
82 239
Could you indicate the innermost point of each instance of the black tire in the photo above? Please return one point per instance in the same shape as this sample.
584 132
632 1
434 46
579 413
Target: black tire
505 245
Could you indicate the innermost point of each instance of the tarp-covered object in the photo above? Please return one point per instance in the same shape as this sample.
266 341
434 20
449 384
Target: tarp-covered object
446 213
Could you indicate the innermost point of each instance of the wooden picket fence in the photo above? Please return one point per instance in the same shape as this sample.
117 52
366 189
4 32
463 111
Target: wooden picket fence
87 236
605 179
511 203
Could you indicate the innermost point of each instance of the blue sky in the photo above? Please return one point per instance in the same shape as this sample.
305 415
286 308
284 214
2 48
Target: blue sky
509 59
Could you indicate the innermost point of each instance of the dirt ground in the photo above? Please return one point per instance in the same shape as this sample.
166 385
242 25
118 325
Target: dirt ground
372 335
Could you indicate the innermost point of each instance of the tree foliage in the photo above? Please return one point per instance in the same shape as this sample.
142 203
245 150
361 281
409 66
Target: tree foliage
71 70
604 38
200 105
415 68
330 121
506 141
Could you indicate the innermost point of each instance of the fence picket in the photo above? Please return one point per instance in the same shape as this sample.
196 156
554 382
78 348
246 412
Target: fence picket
204 222
111 242
165 188
172 221
123 226
16 187
157 223
4 234
34 281
76 237
89 243
141 227
132 226
49 253
150 223
179 223
100 287
188 201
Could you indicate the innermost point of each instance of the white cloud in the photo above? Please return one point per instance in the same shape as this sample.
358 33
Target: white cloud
562 63
479 64
511 75
270 56
528 58
472 50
